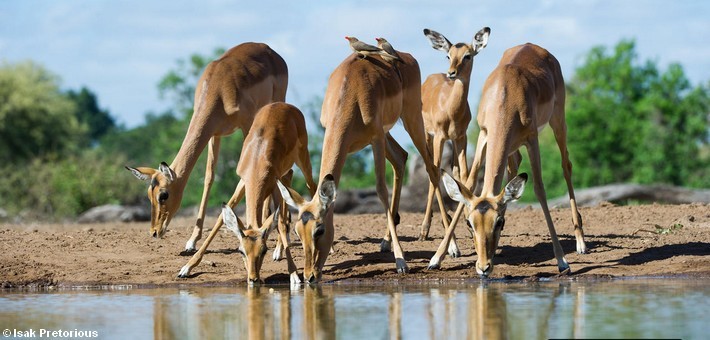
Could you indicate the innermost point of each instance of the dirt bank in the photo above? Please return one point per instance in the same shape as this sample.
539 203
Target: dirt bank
622 239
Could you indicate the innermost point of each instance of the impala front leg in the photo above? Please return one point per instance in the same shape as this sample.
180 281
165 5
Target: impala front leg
426 223
294 279
197 257
212 156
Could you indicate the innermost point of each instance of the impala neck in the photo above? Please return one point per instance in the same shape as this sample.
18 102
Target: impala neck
196 139
459 95
496 162
333 155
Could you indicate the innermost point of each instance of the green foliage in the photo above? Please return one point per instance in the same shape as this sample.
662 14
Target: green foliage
36 119
99 122
56 189
630 122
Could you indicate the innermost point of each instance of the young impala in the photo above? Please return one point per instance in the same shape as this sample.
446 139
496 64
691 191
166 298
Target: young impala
277 140
523 93
446 112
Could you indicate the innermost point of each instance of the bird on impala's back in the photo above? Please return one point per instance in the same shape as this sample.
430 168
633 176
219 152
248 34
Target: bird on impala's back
363 49
390 53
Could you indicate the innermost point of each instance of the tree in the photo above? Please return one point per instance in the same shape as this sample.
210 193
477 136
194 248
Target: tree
36 119
628 121
98 121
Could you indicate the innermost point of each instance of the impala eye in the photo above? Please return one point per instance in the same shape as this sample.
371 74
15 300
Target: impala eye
319 231
467 57
162 196
500 223
470 228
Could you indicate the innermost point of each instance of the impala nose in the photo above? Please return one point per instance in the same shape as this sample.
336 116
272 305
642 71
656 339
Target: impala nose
485 271
451 74
312 279
155 234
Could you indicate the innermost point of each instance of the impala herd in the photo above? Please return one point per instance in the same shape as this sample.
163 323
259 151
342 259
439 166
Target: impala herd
246 89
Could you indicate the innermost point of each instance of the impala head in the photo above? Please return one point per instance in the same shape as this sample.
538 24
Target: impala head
316 235
460 55
164 200
486 216
252 240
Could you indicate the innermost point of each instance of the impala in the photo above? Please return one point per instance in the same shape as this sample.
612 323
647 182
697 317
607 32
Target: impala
446 112
522 94
278 140
363 100
228 95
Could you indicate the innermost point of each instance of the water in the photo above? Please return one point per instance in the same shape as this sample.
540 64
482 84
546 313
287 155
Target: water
619 309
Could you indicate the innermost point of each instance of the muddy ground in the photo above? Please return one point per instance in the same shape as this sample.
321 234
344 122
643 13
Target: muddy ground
645 240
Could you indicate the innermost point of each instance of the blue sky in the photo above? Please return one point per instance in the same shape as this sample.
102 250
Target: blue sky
120 49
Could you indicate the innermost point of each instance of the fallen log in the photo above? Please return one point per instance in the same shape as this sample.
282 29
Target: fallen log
621 192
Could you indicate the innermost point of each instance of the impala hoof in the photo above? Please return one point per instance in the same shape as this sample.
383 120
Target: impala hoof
385 246
401 266
190 246
277 255
454 251
294 279
184 272
564 271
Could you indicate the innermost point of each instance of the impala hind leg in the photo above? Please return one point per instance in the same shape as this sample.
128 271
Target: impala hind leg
426 223
379 151
534 154
560 130
197 257
397 156
212 156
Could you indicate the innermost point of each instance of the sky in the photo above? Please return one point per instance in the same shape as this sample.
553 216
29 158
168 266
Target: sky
121 49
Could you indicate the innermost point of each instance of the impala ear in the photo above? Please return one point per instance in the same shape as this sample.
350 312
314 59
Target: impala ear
287 177
327 191
270 224
480 40
289 195
144 174
456 190
232 222
514 189
167 172
438 40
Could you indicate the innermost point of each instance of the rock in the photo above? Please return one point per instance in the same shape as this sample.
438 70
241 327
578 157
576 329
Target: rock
115 213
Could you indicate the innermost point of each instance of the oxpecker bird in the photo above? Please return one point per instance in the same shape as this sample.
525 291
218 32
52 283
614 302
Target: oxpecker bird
390 54
363 49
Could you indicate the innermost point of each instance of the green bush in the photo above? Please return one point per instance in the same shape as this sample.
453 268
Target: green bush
59 189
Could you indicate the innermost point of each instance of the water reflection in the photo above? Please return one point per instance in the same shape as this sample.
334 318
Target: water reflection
465 311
